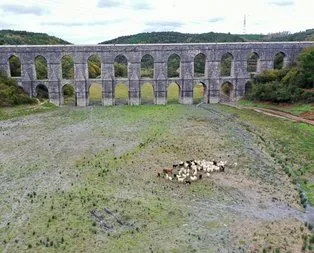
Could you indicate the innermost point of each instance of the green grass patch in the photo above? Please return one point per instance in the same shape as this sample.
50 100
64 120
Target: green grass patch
24 110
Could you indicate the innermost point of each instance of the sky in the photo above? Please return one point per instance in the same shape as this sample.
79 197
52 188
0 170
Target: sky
94 21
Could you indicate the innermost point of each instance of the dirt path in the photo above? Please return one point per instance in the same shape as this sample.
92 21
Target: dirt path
275 113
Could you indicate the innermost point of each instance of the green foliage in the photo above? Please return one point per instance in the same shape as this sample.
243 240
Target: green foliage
67 67
174 66
226 65
10 37
175 37
120 70
305 65
94 67
286 85
68 90
41 68
15 66
252 62
11 94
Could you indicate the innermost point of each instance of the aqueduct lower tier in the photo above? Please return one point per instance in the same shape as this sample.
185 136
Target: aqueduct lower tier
212 78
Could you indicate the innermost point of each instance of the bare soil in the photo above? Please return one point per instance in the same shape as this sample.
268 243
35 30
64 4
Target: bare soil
85 179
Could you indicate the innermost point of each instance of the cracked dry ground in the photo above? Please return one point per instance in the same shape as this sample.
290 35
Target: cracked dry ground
59 170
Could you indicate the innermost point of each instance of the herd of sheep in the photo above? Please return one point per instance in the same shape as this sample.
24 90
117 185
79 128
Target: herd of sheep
192 170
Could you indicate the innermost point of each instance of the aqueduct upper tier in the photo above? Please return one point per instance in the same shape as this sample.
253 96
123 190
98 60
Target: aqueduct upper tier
212 79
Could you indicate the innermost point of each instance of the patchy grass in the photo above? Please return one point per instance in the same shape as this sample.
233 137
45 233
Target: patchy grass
59 169
289 143
24 110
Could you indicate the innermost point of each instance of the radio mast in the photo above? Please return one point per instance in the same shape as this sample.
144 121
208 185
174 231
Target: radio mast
244 24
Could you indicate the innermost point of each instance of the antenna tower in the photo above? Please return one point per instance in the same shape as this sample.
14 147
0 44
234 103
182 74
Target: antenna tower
244 24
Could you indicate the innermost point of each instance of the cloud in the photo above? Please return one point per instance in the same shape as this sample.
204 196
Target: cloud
108 3
282 2
162 26
141 6
77 24
20 9
215 20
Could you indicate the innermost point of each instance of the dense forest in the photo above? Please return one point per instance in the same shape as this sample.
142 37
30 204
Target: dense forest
10 37
176 37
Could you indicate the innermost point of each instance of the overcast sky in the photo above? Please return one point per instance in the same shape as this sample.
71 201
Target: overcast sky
94 21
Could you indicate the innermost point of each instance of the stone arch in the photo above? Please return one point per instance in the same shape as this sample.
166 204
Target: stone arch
252 63
147 93
95 96
41 91
226 64
15 66
67 67
227 93
121 66
199 93
174 65
41 67
280 60
68 95
248 88
199 65
94 67
173 93
147 66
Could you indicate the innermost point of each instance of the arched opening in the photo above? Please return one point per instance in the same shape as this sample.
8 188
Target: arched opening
121 67
173 93
248 88
67 65
68 93
252 63
95 94
121 94
279 60
174 65
94 67
15 66
42 92
147 66
147 94
41 67
226 92
199 65
226 65
199 91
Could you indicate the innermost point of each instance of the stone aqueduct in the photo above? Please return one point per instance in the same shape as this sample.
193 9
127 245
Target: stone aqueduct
212 80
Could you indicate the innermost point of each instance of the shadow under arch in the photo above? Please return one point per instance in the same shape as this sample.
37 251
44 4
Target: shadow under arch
226 92
41 92
279 60
68 95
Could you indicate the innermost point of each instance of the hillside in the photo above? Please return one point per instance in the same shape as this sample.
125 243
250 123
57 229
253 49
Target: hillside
176 37
10 37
